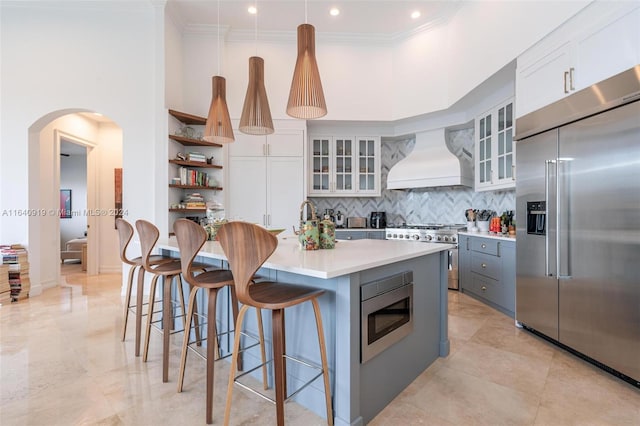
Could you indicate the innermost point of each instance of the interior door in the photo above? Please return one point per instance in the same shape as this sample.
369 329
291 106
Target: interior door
536 281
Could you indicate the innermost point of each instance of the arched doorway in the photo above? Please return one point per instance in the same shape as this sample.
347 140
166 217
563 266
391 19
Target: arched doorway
103 140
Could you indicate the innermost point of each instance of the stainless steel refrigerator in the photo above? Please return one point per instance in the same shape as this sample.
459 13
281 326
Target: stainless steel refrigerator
578 223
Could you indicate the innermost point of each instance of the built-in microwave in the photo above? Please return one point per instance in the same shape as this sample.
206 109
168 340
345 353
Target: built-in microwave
386 313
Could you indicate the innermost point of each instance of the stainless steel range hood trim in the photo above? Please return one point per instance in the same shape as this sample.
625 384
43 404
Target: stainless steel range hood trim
615 91
429 165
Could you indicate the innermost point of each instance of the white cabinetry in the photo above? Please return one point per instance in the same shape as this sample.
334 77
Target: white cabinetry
495 155
599 42
344 166
266 178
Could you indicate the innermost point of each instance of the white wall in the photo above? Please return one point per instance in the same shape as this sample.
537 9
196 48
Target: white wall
67 56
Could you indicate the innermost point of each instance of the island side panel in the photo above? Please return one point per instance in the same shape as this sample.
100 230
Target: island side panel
383 377
444 304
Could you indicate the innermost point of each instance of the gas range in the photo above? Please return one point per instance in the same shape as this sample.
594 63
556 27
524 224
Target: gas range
428 233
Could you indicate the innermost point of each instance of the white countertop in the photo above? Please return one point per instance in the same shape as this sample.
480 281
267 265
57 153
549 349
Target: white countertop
346 258
488 235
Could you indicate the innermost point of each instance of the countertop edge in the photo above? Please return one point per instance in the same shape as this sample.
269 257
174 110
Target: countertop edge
488 235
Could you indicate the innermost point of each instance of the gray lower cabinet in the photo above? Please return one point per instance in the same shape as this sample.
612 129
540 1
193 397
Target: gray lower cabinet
487 271
344 234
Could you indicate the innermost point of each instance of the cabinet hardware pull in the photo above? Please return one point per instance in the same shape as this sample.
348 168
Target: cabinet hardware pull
268 150
513 172
498 249
571 71
491 177
484 266
264 150
483 245
484 288
566 74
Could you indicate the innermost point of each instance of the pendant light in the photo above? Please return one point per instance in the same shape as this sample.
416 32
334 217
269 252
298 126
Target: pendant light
306 98
218 127
256 115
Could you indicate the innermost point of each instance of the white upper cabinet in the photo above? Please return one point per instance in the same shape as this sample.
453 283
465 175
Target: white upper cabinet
282 143
494 148
599 42
344 166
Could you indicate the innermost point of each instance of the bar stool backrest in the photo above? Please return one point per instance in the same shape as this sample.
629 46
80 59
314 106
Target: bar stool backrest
149 235
191 237
125 233
247 247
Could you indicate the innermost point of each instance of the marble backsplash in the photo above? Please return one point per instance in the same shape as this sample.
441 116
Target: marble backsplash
422 205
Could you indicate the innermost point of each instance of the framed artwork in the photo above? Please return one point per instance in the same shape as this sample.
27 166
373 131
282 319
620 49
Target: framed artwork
118 192
65 204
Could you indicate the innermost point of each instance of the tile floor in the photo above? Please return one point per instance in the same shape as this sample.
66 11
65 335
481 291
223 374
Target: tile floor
62 363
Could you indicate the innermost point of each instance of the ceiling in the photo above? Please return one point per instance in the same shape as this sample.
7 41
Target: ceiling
374 17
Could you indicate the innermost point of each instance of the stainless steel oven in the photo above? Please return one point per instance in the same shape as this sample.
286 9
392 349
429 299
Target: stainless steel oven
431 233
386 308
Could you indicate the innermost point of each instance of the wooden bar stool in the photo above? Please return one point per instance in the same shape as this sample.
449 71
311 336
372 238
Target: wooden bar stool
149 235
125 234
191 237
247 247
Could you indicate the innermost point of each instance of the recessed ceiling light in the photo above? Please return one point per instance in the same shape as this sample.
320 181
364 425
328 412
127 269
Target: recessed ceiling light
416 14
252 10
334 11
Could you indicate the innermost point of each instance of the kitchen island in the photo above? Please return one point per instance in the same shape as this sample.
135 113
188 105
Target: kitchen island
359 390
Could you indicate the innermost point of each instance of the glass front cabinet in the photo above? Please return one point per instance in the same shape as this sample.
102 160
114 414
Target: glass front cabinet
344 166
494 148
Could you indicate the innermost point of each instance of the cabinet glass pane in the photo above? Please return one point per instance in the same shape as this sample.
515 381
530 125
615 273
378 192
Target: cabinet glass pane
347 183
316 147
347 165
316 165
340 182
501 168
509 165
482 128
370 182
482 157
339 147
325 182
371 150
325 165
325 147
488 124
347 148
363 165
509 115
488 171
362 148
370 168
501 143
501 119
482 172
488 145
339 164
316 182
363 183
509 146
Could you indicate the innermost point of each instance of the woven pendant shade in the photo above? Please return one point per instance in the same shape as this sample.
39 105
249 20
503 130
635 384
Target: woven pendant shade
218 128
306 98
256 115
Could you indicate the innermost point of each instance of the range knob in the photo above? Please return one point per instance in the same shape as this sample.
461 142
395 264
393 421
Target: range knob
453 239
439 238
395 235
429 237
446 238
416 237
388 235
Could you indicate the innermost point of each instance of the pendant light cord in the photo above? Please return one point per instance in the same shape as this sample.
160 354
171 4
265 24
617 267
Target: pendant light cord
218 27
256 27
306 21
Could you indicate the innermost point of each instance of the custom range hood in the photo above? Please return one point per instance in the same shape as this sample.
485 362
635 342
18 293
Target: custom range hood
430 164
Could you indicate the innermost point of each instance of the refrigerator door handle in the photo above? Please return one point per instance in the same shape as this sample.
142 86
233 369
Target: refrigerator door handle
563 263
546 203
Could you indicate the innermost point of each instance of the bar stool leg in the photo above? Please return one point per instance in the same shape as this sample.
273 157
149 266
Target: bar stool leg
167 320
185 342
234 363
152 301
263 355
211 350
234 311
127 301
279 366
323 357
139 302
